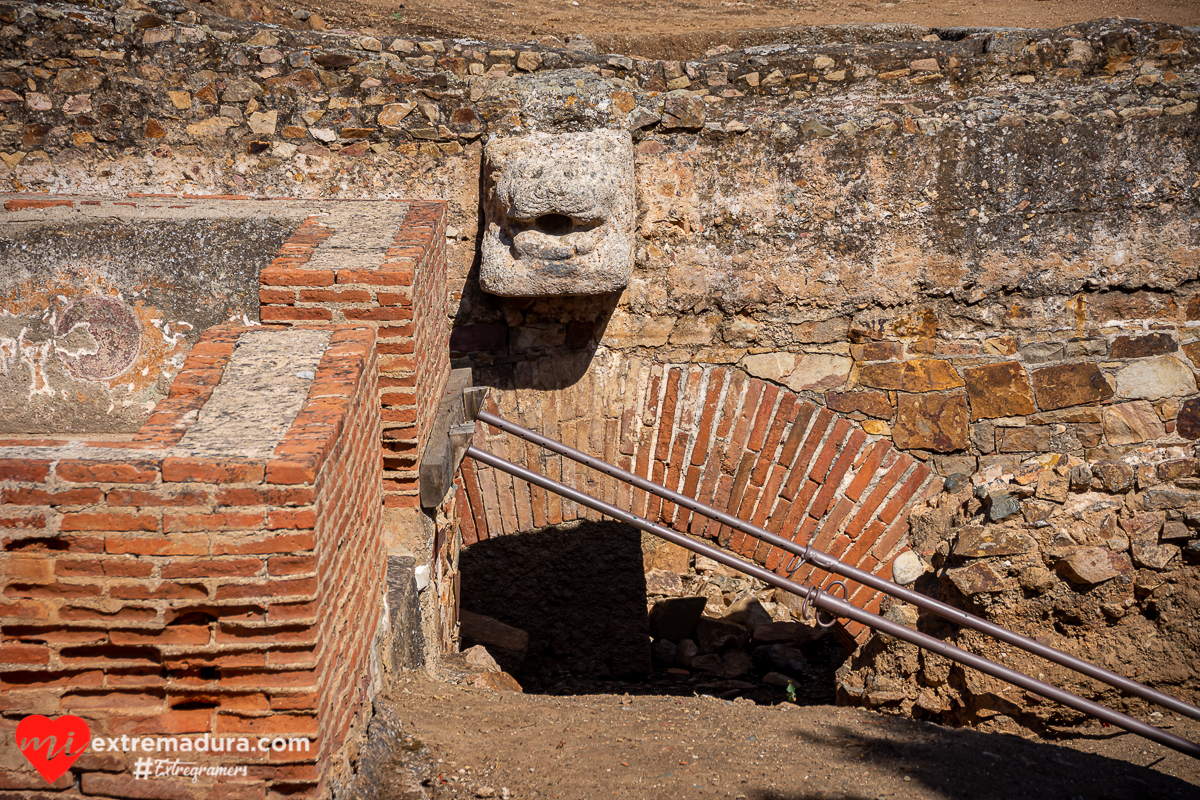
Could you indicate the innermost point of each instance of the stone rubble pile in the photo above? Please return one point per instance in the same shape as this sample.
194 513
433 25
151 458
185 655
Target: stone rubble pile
727 633
1099 559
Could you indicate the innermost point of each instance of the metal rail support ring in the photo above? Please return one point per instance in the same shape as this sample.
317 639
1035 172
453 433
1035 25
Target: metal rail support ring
798 561
809 599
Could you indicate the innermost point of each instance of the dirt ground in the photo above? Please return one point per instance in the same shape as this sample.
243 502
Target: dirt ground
467 742
671 29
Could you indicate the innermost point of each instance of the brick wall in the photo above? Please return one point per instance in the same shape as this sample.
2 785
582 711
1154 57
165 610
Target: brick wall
733 441
153 590
403 297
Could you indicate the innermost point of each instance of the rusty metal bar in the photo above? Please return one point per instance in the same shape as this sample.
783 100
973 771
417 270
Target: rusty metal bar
828 563
825 601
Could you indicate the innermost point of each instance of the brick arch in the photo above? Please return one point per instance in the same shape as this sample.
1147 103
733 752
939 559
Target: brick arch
750 447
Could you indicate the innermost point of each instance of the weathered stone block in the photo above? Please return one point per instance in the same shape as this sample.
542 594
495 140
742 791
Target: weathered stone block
1155 378
931 422
1187 423
1113 476
769 366
1052 485
975 578
980 542
1031 438
873 404
999 390
917 375
1069 385
1093 565
1154 344
559 214
817 372
1132 423
1152 555
907 567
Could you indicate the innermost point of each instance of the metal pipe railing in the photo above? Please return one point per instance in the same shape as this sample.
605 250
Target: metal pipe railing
828 563
841 608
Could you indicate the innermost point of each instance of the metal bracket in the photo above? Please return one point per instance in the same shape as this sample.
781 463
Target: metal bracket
451 434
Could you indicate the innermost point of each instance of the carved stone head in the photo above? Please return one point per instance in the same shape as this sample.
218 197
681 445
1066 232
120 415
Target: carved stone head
560 212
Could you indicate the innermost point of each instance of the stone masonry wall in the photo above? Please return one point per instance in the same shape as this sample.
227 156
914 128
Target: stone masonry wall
220 574
950 241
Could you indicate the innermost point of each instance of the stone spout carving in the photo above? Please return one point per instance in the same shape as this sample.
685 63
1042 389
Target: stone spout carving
560 211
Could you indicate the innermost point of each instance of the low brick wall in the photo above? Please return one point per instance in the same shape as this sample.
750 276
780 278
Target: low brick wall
380 264
222 573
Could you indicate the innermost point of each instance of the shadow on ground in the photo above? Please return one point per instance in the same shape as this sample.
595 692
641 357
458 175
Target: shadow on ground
924 760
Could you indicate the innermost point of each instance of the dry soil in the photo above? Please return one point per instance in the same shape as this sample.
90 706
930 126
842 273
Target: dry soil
668 29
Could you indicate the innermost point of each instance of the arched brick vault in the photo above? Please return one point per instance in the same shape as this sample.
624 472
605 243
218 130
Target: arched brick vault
741 444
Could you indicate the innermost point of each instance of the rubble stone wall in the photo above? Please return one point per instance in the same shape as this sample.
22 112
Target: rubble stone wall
219 574
950 242
1095 558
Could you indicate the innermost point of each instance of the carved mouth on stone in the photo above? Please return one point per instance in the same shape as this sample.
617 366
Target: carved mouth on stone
552 237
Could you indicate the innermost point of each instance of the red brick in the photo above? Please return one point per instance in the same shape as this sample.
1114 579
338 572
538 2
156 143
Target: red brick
50 591
24 469
103 566
829 453
868 469
80 471
291 612
904 493
107 521
176 635
201 470
23 521
291 565
26 204
758 433
824 498
298 519
277 276
165 591
376 277
284 297
123 614
877 494
24 654
175 723
266 496
262 589
890 538
293 314
152 499
335 296
745 420
213 568
222 521
156 545
291 471
41 497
